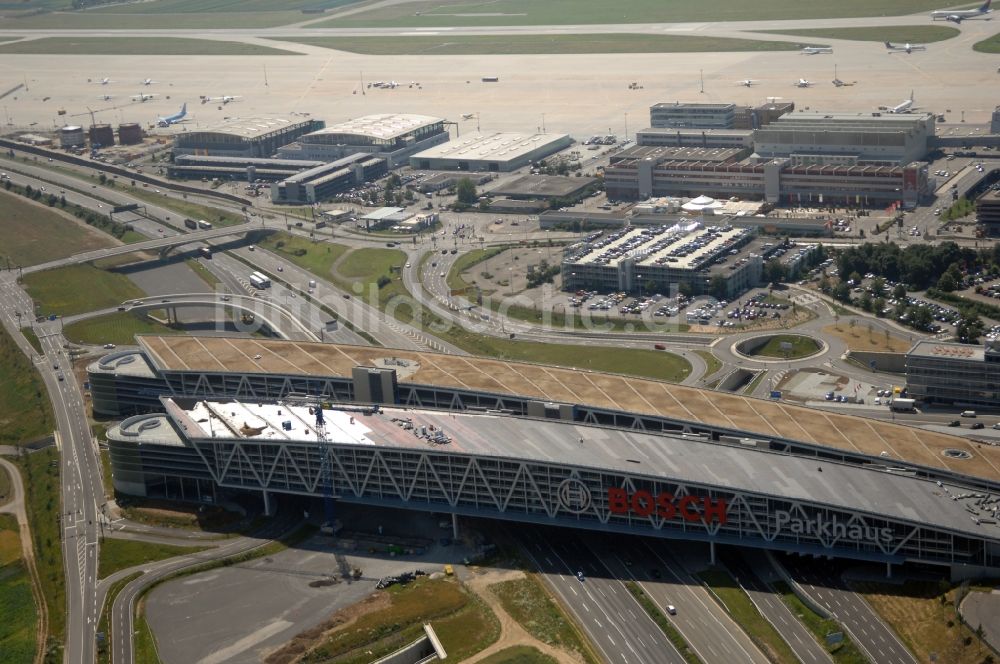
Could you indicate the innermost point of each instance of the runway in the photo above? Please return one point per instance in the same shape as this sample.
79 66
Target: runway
579 94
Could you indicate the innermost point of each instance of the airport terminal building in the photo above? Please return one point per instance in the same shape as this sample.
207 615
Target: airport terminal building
431 432
393 136
243 137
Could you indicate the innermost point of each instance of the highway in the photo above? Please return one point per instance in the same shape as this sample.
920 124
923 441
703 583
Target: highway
80 471
705 625
121 621
613 620
824 585
753 571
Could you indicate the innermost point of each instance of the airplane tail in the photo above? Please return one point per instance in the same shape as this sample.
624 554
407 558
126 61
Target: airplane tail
911 95
184 108
888 45
986 6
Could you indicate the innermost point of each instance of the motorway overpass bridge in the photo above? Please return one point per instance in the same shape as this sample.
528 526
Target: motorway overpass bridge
276 317
148 245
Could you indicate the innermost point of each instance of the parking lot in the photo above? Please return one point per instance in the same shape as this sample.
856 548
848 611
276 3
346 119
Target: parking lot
239 613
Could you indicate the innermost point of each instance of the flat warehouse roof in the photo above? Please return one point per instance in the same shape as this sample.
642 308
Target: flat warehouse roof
569 385
616 450
501 146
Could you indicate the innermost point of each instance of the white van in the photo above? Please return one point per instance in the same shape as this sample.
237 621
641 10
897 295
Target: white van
968 413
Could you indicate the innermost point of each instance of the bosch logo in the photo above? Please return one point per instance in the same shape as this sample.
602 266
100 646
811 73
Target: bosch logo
574 496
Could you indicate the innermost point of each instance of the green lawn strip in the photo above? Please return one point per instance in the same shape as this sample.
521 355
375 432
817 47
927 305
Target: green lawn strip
746 615
843 653
435 13
32 338
189 209
58 291
21 391
755 382
10 538
963 207
104 20
136 46
40 474
118 328
117 554
802 346
18 616
6 493
712 363
990 45
154 9
99 221
661 621
35 234
465 262
463 623
104 655
912 34
526 601
145 643
518 655
539 44
315 256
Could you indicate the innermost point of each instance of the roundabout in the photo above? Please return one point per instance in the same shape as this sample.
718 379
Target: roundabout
779 347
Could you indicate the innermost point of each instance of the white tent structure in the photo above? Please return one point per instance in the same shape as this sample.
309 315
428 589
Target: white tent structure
702 204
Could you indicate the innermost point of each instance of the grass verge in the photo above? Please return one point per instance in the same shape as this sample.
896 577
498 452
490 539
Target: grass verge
137 46
118 554
862 338
104 654
541 44
799 347
527 602
923 614
145 643
6 493
33 339
58 291
33 233
40 473
118 328
846 652
518 655
906 34
206 275
746 615
463 623
18 616
712 363
21 392
661 621
438 13
990 45
182 206
456 280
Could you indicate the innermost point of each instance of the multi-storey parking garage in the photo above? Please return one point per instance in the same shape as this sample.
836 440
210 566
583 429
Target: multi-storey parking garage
559 473
814 481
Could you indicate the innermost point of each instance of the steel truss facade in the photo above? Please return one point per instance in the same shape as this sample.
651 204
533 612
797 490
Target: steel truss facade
124 395
579 497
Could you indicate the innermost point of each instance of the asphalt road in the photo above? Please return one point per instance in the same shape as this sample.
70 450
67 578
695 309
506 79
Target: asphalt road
701 620
121 621
613 620
752 571
824 585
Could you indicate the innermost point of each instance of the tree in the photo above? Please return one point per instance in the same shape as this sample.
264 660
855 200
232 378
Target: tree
842 291
947 282
899 291
774 271
685 289
717 287
466 191
969 329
